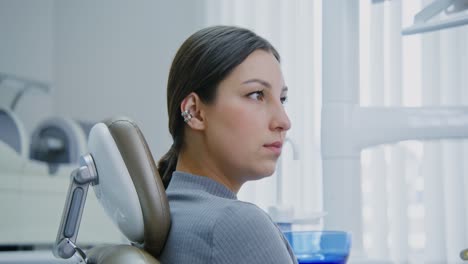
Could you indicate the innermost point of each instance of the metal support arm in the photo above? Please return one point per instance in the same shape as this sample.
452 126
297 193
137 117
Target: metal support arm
65 244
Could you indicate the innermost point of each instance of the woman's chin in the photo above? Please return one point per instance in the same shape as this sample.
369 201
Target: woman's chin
266 172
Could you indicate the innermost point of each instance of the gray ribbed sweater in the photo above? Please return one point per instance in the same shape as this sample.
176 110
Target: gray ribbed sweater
209 225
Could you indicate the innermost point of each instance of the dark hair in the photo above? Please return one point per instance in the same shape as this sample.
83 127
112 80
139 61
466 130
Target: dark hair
201 63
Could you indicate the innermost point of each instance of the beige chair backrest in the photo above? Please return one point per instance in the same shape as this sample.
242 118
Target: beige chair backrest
151 194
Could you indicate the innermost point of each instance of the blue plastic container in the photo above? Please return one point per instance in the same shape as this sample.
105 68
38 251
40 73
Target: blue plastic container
331 247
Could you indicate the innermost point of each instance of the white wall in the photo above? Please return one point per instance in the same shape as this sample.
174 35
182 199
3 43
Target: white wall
26 38
112 57
26 47
102 58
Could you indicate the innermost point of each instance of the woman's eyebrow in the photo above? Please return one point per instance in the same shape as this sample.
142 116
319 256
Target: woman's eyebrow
264 83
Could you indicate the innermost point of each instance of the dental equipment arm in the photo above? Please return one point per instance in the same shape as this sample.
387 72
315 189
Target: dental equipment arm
65 244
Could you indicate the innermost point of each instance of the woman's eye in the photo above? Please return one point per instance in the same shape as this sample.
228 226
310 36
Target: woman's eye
284 99
257 95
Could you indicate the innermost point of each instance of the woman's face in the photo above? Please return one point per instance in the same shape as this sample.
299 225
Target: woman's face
247 123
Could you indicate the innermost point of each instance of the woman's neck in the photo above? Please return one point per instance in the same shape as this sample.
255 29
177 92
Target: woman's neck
197 164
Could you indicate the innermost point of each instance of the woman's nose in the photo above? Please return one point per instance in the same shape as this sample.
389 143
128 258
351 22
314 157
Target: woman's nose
280 119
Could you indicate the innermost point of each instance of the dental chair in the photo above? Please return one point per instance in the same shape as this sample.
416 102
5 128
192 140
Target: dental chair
125 179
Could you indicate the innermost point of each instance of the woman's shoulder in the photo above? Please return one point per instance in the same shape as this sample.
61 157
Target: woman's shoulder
240 210
238 216
246 234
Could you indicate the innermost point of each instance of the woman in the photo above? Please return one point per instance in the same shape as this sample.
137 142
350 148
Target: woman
225 99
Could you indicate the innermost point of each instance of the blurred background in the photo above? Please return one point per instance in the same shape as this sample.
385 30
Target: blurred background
65 65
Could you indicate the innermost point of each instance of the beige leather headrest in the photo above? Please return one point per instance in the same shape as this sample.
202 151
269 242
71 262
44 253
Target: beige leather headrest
149 187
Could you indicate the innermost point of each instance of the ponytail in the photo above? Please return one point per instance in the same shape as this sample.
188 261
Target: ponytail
167 165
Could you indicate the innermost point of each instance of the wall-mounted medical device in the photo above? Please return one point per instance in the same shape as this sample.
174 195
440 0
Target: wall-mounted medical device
424 22
58 140
54 140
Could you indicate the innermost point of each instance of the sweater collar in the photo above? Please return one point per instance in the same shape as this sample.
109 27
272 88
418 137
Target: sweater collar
191 181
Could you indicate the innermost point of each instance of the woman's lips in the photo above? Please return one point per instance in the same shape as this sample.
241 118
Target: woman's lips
275 147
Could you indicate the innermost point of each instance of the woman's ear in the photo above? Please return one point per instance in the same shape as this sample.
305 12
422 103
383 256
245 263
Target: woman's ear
191 111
